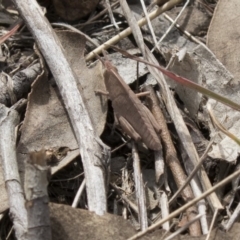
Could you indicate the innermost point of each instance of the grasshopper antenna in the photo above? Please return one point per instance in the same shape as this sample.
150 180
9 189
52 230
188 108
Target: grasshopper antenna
98 57
105 61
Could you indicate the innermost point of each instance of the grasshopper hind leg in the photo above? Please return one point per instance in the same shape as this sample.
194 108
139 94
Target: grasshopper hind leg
127 127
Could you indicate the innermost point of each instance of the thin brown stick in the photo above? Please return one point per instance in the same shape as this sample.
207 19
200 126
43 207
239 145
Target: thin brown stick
13 29
212 223
172 159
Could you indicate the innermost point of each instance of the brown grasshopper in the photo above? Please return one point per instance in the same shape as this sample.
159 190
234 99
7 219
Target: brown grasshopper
135 119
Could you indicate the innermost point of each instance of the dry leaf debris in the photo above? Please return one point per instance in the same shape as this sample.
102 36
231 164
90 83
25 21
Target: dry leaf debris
46 124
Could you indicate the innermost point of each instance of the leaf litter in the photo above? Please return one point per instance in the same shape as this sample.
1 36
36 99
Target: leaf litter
46 124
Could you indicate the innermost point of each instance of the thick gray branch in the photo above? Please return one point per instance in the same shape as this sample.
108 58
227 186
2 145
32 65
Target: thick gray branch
53 53
8 120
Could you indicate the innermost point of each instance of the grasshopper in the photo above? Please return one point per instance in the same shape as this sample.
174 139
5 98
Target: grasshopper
134 118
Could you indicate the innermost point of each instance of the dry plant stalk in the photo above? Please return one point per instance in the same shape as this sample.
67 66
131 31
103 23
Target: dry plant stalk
133 24
172 160
140 190
111 14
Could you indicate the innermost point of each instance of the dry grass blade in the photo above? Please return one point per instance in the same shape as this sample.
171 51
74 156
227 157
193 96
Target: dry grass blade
111 14
149 24
184 81
220 126
212 223
79 193
12 31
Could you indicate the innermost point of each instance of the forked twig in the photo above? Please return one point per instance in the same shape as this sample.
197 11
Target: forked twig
140 191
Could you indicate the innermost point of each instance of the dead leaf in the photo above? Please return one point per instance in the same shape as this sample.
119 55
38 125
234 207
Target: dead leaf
190 69
223 40
46 124
223 35
69 224
74 10
202 66
89 79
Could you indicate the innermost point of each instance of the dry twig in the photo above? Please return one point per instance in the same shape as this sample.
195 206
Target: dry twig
91 148
9 119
